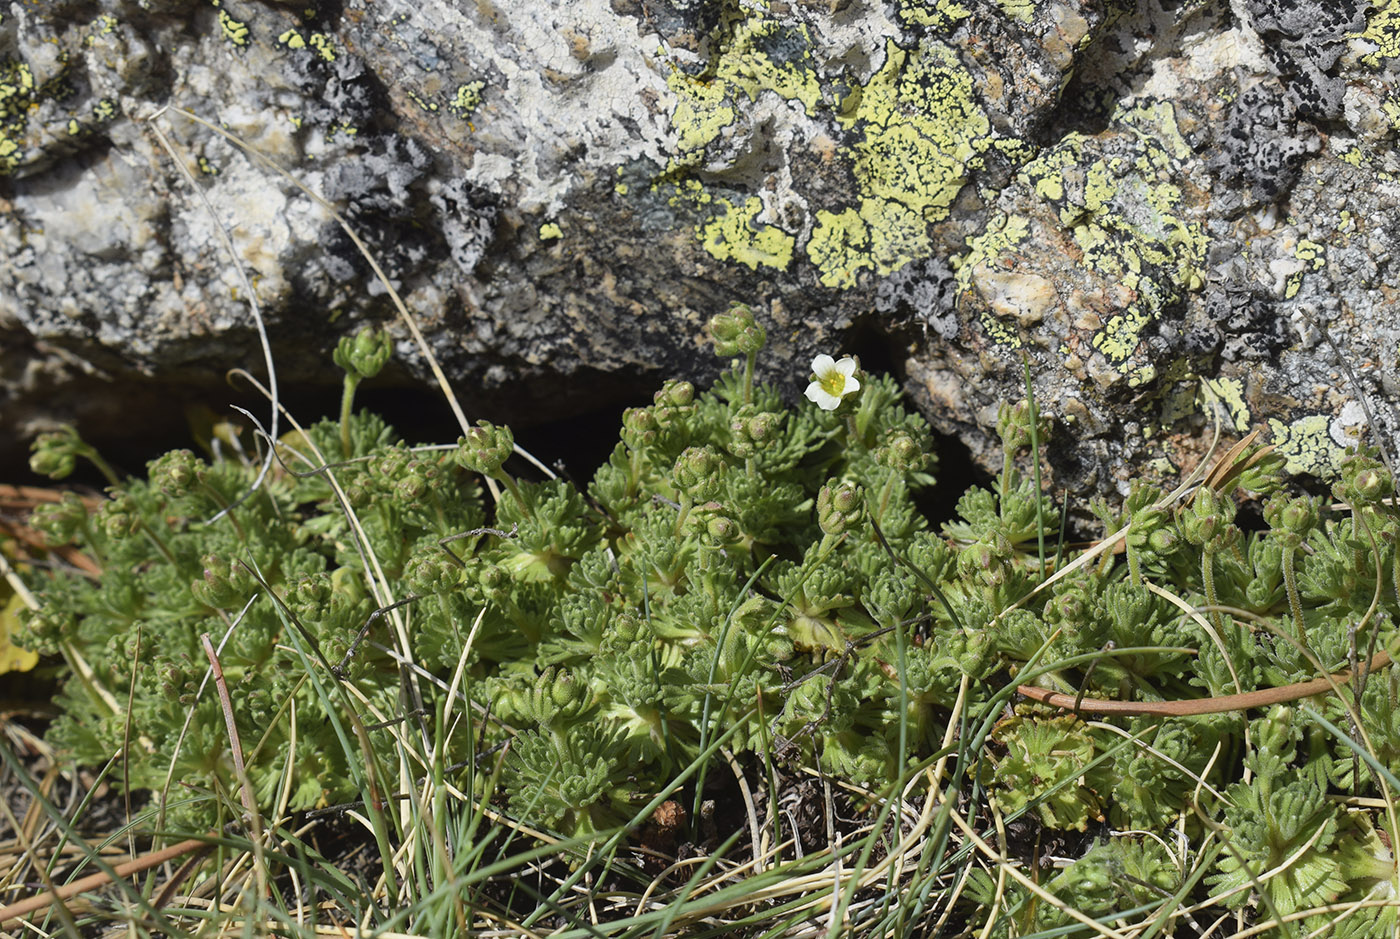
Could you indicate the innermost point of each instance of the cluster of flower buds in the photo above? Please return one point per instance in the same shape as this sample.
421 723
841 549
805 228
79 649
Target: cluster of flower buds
119 517
697 473
364 354
485 448
736 332
226 583
840 507
176 473
419 477
1291 519
60 522
1365 481
987 560
434 572
1014 426
55 454
556 699
1208 522
751 430
902 452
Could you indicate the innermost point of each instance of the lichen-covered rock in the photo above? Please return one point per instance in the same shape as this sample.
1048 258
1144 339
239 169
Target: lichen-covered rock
1171 211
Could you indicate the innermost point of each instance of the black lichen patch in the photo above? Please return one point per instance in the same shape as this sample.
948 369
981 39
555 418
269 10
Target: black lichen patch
1260 151
467 217
1303 41
337 93
923 292
1254 329
375 187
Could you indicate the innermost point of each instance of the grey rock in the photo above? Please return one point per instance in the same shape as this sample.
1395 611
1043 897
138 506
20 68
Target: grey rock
1160 206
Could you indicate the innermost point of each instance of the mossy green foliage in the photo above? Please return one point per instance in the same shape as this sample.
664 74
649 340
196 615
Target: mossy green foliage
741 567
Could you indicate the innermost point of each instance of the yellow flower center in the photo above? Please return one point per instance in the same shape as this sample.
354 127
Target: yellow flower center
833 383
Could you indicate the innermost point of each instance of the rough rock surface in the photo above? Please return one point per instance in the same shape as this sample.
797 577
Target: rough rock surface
1158 205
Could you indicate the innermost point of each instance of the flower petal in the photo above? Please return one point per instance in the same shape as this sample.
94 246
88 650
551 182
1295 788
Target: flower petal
852 386
847 366
818 396
823 364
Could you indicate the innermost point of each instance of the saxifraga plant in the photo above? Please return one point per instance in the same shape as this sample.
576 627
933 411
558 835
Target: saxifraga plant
741 567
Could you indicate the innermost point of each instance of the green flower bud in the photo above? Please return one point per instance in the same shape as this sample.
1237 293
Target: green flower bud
309 597
432 573
723 531
986 560
639 428
495 581
176 473
627 629
118 517
736 332
1145 523
697 473
359 493
676 394
1299 516
364 354
389 465
840 507
225 584
55 454
1277 731
902 452
410 488
1372 485
44 630
60 522
1014 425
557 698
485 448
1365 480
1206 522
1162 541
1291 519
751 429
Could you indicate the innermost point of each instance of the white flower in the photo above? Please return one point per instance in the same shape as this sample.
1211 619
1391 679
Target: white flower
834 381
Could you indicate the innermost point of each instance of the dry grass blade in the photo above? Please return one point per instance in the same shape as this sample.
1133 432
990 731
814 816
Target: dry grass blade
1229 467
1263 697
93 881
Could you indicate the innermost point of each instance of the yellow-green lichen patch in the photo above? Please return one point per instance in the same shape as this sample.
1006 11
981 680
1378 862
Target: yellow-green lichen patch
922 130
549 231
1118 198
319 43
234 31
466 99
736 235
1310 252
703 110
941 15
1228 392
323 46
1023 11
20 98
422 102
985 251
1382 31
759 54
1306 445
731 232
